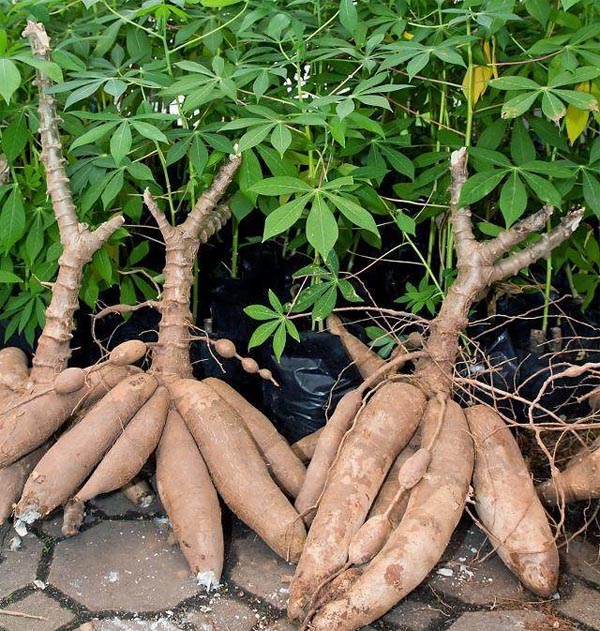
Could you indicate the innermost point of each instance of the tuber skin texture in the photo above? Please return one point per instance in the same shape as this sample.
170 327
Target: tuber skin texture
382 430
79 450
13 478
389 489
434 509
369 539
128 352
125 458
373 534
69 380
325 453
507 504
305 447
14 368
188 495
366 361
73 515
285 467
580 481
237 468
30 421
27 423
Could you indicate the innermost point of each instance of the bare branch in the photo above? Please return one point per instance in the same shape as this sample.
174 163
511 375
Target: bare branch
211 196
165 227
104 231
465 242
540 249
52 155
495 248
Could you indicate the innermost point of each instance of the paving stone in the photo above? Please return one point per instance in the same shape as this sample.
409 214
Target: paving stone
260 571
118 624
278 625
53 526
284 625
525 620
463 575
582 604
583 560
121 565
38 604
413 615
222 614
115 504
19 568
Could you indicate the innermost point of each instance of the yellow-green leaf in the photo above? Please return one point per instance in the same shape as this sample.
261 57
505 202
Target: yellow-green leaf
477 87
576 119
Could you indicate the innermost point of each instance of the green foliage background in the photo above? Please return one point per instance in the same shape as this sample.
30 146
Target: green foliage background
345 113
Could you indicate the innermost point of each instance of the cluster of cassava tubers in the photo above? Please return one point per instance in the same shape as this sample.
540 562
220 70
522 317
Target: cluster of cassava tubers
204 434
387 477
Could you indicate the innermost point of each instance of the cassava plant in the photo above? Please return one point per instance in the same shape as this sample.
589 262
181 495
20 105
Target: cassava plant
202 432
355 567
36 402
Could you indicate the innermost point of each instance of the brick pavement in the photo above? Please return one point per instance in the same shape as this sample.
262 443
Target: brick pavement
121 574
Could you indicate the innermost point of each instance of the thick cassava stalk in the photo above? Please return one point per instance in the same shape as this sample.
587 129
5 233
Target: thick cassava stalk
479 265
171 356
78 242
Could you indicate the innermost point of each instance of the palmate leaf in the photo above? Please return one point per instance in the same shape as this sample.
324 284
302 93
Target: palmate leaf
591 191
284 217
480 185
518 105
263 333
513 199
553 107
281 185
10 79
120 142
321 227
354 212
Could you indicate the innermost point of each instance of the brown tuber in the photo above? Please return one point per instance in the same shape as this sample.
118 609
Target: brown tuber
225 348
249 365
508 506
127 353
14 371
69 380
369 539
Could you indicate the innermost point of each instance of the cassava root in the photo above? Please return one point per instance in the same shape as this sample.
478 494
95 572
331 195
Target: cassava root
427 497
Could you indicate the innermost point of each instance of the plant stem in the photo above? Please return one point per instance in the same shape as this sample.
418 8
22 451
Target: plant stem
547 288
471 75
235 240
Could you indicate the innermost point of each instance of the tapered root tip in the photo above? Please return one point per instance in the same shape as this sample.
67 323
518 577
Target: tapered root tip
208 580
539 572
334 325
295 609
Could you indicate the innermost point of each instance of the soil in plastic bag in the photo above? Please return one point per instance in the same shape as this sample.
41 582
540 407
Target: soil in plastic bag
312 377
